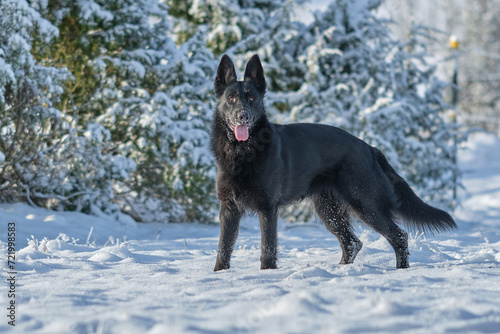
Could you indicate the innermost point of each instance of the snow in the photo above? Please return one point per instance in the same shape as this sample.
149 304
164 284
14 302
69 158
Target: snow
90 8
84 274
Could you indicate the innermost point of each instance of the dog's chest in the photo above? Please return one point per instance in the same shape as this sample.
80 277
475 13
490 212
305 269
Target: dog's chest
245 188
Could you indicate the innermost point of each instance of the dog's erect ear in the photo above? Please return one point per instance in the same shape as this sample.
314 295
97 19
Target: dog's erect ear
226 74
254 73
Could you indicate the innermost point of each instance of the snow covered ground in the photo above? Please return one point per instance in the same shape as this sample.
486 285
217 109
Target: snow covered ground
82 274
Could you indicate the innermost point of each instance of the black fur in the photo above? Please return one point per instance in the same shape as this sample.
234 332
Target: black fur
280 164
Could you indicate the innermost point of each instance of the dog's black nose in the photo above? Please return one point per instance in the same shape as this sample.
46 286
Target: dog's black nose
244 116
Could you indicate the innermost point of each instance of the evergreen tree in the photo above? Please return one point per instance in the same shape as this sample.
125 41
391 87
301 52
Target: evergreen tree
382 91
47 159
165 131
102 111
133 80
279 40
28 121
127 131
228 21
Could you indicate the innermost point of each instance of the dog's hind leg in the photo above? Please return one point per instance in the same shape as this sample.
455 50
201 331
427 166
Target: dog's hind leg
398 238
336 219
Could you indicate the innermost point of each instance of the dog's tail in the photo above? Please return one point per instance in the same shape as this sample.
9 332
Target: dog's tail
410 208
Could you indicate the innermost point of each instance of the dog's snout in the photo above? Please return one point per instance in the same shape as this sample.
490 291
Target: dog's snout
244 116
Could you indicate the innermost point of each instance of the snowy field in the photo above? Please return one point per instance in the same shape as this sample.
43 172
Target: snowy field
82 274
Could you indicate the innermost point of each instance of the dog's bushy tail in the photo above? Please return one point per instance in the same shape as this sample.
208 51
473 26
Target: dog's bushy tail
416 214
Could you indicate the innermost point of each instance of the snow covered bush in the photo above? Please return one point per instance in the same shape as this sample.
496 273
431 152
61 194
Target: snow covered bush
230 22
165 130
115 135
107 105
379 89
279 39
152 100
51 159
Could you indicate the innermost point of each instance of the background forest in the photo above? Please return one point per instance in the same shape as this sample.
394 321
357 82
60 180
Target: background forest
105 106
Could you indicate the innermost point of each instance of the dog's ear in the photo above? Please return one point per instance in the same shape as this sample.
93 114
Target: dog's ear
254 73
226 74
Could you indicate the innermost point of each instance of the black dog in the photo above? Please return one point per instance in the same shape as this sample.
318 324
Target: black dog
262 166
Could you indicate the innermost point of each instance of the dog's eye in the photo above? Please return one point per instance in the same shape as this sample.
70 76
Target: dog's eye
232 98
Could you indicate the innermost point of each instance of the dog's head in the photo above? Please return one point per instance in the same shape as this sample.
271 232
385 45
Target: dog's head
240 103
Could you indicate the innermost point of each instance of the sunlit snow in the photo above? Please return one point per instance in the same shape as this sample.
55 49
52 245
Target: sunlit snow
85 274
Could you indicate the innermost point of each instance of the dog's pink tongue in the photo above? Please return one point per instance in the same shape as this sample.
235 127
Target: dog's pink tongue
241 132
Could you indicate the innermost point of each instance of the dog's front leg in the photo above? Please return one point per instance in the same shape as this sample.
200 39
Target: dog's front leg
230 217
269 238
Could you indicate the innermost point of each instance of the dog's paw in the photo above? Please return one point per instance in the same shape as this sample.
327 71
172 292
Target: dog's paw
221 266
268 265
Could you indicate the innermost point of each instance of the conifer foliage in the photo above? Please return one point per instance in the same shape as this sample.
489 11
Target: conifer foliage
105 106
46 159
381 90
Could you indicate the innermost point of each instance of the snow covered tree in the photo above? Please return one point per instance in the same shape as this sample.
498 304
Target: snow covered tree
381 90
27 94
102 111
279 40
243 28
346 70
115 117
188 81
221 16
228 21
47 159
148 97
165 131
